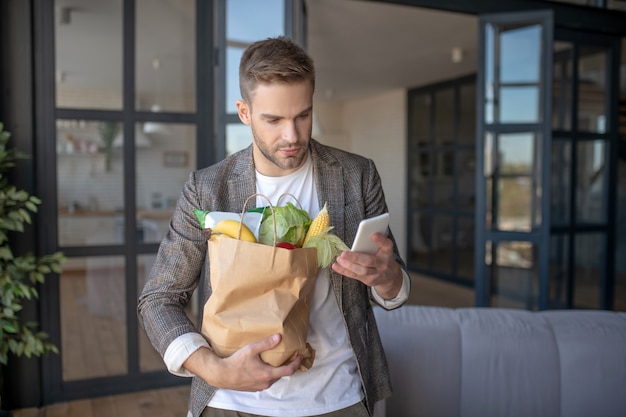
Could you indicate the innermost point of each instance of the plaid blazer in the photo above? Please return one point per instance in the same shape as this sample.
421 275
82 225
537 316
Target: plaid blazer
351 186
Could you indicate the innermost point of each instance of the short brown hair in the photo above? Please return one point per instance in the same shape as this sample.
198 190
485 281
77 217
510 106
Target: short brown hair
274 60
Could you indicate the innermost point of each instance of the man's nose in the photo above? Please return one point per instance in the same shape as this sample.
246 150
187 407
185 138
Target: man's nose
289 131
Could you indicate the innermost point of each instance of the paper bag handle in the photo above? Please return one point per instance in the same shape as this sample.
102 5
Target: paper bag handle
289 195
243 212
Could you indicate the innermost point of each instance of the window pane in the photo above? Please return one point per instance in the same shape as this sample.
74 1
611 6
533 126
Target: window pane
490 33
516 153
562 86
238 137
166 59
561 181
512 190
519 54
519 105
442 244
466 180
420 179
465 247
88 48
420 239
559 271
512 73
420 119
588 269
253 20
93 317
514 280
443 188
233 93
467 115
444 116
590 190
592 89
90 179
162 169
514 204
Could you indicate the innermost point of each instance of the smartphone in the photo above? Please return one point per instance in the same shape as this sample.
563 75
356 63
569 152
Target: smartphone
363 241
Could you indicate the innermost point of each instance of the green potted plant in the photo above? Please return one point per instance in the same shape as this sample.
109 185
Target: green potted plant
108 131
19 275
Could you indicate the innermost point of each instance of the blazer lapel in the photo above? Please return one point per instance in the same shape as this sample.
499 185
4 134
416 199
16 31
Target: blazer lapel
242 183
328 174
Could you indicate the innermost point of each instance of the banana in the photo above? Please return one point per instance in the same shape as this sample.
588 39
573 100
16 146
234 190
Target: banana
230 228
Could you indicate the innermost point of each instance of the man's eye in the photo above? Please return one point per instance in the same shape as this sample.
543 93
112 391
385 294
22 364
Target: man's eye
272 121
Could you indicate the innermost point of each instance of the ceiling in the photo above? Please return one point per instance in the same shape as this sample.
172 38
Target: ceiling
362 47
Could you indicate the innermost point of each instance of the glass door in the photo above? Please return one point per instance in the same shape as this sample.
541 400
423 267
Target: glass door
131 109
512 179
125 115
585 156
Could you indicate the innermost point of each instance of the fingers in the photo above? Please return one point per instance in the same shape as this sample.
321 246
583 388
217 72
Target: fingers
244 370
369 269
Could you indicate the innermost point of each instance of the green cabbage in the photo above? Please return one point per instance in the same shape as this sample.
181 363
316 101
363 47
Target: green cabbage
292 224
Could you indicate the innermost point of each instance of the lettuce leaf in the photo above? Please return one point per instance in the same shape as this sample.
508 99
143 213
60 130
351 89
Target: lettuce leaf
328 247
292 224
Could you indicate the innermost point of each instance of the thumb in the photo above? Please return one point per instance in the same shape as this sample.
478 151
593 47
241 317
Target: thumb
266 344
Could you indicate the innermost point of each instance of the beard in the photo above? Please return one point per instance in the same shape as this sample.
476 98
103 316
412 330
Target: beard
271 154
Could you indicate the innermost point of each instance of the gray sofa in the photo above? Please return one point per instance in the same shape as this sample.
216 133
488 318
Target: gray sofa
489 362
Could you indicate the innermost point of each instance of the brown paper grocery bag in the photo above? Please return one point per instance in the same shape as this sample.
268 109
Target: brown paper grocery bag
259 290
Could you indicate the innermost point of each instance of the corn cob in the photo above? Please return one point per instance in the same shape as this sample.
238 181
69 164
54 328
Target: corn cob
319 225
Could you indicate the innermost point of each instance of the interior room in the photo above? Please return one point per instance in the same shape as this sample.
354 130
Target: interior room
136 95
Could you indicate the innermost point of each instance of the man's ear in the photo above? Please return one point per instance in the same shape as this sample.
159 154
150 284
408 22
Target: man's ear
244 111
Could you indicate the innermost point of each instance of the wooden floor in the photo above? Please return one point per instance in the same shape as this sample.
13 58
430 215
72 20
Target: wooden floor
168 402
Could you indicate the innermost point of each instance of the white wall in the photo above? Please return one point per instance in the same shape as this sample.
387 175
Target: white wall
374 127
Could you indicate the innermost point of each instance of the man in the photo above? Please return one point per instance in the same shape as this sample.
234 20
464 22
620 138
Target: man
349 373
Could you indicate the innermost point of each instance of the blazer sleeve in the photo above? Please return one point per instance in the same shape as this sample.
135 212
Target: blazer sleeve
375 203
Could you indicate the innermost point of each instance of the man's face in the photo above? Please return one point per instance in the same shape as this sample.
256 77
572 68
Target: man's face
281 118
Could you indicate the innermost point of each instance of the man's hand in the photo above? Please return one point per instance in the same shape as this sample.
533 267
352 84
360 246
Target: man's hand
380 270
243 370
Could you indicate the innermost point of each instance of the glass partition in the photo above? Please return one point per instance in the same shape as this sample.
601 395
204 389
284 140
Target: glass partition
90 181
165 59
514 277
441 189
161 171
590 190
592 89
93 317
512 78
88 48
